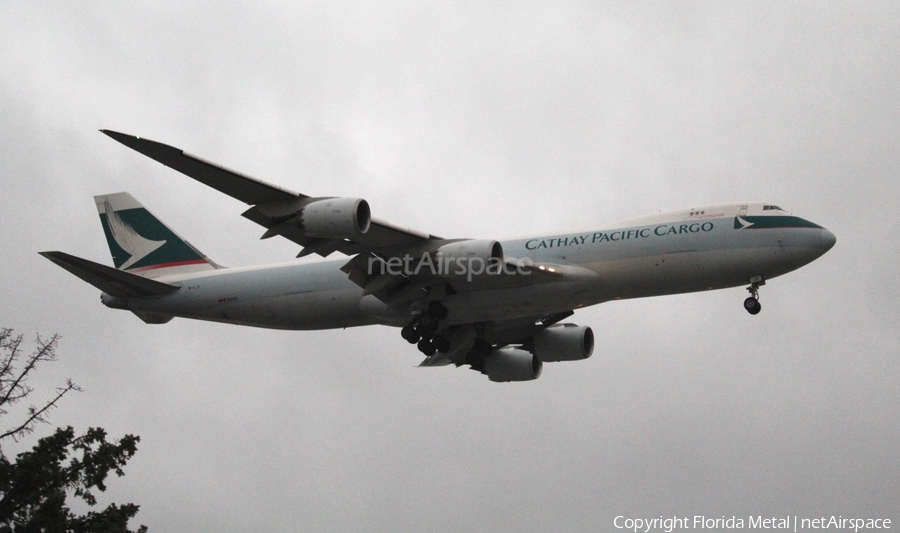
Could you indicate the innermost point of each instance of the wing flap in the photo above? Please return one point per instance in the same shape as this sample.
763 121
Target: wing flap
110 280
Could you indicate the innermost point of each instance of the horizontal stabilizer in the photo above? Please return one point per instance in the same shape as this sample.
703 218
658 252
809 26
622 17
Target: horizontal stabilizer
110 280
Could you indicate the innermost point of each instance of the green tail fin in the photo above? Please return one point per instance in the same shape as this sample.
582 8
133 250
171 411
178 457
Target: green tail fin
141 244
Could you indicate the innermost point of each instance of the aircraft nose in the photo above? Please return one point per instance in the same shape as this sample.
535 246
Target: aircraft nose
827 240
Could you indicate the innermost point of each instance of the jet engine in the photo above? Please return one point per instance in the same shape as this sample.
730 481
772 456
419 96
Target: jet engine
335 218
566 342
469 257
512 364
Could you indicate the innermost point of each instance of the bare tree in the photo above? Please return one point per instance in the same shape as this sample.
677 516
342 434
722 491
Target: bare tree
14 381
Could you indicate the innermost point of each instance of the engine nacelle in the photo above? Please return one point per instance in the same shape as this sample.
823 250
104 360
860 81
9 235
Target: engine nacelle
336 218
469 258
566 342
512 364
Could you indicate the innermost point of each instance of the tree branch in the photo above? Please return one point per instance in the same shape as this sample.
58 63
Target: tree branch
46 351
36 415
14 382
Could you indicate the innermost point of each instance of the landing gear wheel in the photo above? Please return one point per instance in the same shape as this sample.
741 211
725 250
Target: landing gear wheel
427 347
427 331
752 305
442 343
409 334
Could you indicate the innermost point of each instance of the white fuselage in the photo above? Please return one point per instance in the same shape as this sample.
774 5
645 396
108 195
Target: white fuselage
693 250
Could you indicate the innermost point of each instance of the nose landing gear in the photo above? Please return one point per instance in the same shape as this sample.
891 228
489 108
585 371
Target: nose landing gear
752 304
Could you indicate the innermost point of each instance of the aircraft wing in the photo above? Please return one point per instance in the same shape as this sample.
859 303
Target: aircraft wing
273 206
244 188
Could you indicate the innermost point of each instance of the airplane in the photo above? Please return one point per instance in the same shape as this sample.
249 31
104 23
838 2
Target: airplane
497 306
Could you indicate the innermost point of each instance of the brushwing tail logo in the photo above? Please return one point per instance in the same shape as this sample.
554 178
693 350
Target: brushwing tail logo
740 223
128 239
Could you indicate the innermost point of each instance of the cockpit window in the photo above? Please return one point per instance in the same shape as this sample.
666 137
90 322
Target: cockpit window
772 208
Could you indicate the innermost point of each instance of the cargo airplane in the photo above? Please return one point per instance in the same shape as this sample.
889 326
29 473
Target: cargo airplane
497 306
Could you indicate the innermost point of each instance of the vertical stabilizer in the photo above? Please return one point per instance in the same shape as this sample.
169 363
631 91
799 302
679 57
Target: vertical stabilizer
141 244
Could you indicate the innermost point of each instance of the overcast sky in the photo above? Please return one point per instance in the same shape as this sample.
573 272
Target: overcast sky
470 119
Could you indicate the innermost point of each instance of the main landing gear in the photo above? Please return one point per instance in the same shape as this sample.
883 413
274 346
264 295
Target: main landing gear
480 350
423 331
752 304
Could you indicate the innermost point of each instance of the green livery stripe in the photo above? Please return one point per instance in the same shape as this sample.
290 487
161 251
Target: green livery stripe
174 251
769 222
